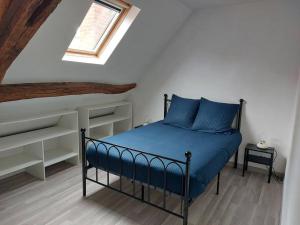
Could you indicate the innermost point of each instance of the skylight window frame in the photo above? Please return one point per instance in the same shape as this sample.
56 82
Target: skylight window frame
111 4
107 46
108 31
102 39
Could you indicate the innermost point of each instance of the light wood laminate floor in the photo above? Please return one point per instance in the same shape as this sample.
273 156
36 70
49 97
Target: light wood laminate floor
27 201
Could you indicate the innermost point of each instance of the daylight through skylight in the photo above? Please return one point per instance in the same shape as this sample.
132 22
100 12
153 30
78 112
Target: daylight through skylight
94 28
101 30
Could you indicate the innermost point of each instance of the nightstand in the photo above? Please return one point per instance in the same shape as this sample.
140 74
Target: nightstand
260 156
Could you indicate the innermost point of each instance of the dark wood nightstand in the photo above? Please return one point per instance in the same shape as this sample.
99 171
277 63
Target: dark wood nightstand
260 156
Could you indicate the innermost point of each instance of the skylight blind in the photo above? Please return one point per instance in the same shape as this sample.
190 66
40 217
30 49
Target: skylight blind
95 27
109 5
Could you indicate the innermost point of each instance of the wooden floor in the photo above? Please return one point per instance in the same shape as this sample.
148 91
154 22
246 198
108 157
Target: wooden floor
242 201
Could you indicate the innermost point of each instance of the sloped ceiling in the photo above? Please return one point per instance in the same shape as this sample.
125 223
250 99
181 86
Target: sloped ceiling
41 60
196 4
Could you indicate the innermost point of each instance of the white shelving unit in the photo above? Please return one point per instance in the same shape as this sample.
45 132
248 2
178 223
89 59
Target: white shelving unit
32 144
105 120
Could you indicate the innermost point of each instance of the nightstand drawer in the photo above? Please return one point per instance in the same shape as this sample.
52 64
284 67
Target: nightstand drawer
260 159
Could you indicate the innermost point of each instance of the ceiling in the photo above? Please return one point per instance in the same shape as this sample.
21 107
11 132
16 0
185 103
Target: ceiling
41 60
195 4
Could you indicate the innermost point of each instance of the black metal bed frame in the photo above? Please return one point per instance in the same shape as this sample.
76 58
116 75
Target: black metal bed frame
166 162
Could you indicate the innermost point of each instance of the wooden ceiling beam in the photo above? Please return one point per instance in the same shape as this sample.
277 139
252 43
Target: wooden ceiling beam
19 21
14 92
4 7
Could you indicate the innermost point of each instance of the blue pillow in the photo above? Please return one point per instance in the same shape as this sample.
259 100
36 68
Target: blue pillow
215 117
182 112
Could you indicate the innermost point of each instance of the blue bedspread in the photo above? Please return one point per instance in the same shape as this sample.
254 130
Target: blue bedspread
210 153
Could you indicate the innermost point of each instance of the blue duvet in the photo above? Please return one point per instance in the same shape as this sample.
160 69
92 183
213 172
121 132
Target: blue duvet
210 153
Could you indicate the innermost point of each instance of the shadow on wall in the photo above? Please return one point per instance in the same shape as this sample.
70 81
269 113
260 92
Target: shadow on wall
229 52
249 136
151 110
29 108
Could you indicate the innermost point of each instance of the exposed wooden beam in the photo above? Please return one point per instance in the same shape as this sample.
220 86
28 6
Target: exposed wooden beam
4 7
14 92
19 21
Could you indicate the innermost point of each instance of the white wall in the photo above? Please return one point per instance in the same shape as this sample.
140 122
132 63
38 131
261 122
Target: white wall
248 51
41 60
291 194
196 4
31 107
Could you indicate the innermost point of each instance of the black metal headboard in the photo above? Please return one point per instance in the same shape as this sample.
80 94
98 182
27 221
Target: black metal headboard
166 101
238 119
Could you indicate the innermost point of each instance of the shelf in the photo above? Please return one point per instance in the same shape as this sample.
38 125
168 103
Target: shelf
108 105
24 142
53 156
260 159
16 162
103 120
38 117
18 140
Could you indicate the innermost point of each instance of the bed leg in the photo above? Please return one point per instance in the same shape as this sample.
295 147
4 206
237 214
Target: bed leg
236 159
143 193
83 158
188 156
84 188
218 183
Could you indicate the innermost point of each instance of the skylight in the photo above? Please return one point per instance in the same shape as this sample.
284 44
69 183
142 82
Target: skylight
101 30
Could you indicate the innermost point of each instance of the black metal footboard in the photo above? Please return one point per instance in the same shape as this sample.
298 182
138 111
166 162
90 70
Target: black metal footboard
183 167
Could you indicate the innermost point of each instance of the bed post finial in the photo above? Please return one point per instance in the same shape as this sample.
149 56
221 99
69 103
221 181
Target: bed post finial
188 156
165 104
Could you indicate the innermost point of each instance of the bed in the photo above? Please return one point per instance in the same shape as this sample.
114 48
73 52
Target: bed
158 155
